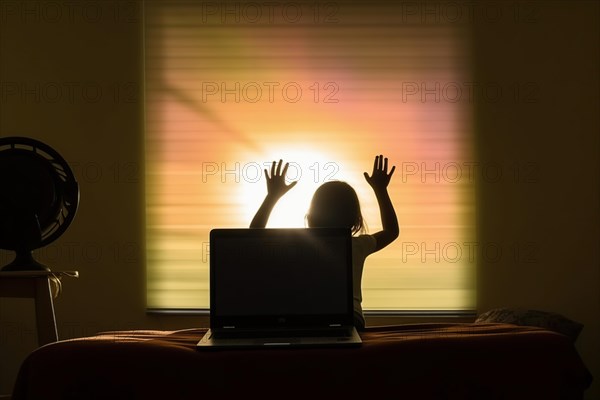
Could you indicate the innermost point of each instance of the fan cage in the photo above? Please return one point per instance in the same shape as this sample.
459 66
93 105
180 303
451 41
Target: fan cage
68 204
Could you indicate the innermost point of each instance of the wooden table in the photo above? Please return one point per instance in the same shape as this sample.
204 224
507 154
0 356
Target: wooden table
36 285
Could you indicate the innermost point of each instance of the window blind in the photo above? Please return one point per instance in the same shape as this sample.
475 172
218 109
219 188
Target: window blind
325 86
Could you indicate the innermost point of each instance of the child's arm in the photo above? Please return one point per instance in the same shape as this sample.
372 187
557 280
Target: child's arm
379 181
276 188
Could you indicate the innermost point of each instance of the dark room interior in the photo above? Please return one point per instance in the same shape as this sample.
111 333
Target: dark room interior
545 214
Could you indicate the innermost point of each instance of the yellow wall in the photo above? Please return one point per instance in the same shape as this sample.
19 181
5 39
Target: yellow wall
552 130
548 134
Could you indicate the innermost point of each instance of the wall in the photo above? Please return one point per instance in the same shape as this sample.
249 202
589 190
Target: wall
551 133
543 213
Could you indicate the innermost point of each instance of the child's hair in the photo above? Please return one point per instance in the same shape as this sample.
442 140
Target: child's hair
335 204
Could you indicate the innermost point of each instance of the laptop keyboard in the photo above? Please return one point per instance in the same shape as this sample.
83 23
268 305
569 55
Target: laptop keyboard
284 334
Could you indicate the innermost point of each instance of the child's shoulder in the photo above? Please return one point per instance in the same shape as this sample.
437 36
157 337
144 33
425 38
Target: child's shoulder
366 241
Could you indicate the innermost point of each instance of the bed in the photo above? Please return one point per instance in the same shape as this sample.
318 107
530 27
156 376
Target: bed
415 361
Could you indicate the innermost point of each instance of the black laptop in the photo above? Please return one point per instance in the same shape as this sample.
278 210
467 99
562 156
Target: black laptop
280 288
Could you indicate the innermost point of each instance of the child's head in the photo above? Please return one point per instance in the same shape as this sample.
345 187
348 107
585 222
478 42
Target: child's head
335 204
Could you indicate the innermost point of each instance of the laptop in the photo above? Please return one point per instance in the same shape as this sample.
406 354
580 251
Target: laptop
280 288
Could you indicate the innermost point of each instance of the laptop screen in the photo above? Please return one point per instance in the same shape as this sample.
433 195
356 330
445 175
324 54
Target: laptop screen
280 277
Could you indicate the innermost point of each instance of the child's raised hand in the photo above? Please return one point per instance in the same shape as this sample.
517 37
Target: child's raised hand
379 181
276 186
380 178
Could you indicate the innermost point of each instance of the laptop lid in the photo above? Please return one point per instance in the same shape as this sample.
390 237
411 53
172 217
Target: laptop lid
280 279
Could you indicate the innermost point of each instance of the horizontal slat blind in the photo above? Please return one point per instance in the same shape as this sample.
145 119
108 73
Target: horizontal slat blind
326 86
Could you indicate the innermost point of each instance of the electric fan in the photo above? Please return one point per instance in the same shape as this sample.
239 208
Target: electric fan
38 199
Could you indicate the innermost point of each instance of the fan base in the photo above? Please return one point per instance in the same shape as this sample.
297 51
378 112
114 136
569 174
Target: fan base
24 261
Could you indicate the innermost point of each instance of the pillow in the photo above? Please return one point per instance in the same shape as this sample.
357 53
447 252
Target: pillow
547 320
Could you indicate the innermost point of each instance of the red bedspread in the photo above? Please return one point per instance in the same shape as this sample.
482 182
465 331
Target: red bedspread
424 361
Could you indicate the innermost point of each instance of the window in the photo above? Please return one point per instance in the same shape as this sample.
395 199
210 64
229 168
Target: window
325 86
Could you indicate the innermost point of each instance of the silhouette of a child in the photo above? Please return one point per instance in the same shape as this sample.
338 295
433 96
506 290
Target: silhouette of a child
335 204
